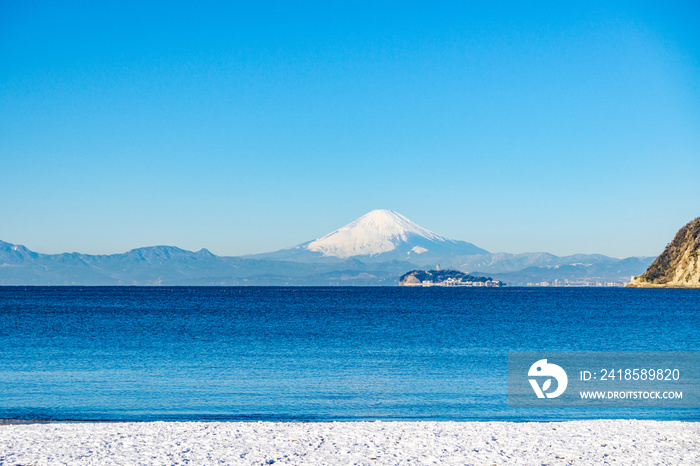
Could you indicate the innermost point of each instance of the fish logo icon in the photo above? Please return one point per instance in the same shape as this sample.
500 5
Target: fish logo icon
543 369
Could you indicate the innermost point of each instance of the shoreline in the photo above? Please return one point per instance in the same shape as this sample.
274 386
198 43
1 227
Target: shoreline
352 442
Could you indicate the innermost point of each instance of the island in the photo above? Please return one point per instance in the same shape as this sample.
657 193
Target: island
445 278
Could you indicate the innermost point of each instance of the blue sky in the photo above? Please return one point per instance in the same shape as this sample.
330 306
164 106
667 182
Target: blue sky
247 127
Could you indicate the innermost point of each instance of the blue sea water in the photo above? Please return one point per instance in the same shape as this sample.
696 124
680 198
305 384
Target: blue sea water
316 354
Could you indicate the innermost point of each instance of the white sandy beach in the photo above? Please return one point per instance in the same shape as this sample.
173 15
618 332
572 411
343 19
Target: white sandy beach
371 443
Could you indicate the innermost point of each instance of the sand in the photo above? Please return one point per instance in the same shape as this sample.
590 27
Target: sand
370 443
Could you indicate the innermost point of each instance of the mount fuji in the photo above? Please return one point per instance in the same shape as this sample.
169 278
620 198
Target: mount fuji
378 236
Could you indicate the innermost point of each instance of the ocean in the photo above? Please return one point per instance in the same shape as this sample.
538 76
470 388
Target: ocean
313 354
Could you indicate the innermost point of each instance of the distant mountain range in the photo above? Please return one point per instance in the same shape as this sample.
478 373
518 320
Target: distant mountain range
375 249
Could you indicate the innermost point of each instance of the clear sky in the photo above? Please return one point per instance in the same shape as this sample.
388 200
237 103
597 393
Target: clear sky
246 127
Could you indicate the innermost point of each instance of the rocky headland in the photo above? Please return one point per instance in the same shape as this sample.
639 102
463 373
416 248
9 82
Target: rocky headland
677 266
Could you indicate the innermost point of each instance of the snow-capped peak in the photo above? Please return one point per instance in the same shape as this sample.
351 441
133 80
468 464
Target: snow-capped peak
374 233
